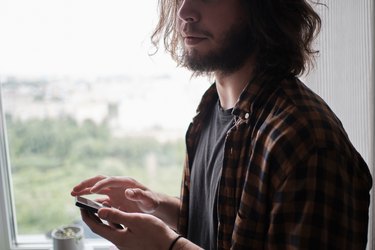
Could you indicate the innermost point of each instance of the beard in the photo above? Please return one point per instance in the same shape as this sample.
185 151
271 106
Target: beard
236 47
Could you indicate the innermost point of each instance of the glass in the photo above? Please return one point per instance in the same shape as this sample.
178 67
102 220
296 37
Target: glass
82 97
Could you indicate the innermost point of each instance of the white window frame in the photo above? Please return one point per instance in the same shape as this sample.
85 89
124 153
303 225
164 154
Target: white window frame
8 235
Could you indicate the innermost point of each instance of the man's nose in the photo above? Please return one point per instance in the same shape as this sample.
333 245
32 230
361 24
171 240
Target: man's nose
188 11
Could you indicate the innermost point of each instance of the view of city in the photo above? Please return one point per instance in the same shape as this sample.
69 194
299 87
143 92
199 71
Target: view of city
128 103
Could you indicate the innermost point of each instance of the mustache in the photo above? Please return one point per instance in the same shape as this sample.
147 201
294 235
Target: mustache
193 30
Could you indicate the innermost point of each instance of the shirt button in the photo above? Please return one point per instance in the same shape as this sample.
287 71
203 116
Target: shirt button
247 115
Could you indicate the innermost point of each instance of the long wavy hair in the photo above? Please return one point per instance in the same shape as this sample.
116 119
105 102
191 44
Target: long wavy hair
283 32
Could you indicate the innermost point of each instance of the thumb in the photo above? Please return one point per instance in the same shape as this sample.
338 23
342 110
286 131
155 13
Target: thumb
116 216
135 194
146 201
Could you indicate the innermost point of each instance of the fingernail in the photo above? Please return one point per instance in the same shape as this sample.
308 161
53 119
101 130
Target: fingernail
130 192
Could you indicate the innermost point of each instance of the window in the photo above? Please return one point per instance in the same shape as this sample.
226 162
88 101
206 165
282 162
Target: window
80 96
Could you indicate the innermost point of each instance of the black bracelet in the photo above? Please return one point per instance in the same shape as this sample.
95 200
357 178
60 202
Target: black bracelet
174 242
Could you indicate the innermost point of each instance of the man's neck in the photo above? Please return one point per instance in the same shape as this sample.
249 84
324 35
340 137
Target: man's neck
230 86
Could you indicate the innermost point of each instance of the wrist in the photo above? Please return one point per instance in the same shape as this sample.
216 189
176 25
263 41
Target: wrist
174 242
167 209
185 244
168 240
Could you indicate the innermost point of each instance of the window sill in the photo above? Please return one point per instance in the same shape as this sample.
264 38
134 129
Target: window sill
39 242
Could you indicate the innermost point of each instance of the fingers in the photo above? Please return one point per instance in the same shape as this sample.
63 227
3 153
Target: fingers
115 182
114 225
85 186
89 218
102 185
98 227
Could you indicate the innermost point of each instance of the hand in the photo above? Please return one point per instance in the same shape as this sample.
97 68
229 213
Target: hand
142 231
123 193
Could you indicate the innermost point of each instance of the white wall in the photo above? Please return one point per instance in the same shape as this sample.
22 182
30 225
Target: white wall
344 74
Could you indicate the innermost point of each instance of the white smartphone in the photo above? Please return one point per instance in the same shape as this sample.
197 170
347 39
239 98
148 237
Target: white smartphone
90 205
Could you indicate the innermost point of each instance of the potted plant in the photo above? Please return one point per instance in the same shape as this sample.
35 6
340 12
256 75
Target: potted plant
68 238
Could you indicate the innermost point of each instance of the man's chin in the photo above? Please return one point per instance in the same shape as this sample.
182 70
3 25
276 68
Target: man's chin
197 65
199 61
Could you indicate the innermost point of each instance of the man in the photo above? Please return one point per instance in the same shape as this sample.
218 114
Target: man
269 165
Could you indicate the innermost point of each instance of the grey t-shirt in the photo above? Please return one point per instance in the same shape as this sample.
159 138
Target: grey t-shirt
205 176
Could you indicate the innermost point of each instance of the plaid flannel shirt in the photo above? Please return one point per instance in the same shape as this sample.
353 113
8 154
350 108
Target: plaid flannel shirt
290 178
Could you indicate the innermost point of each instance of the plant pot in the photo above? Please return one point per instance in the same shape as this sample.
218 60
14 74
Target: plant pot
68 238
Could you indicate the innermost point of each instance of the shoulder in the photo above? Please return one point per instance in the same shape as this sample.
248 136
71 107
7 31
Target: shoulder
292 111
292 124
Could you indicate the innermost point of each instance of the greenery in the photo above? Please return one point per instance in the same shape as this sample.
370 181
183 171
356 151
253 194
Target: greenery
48 157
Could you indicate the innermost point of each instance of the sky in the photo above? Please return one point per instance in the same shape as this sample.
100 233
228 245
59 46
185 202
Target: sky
91 38
78 37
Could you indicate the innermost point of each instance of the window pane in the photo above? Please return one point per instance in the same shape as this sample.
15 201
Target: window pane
82 97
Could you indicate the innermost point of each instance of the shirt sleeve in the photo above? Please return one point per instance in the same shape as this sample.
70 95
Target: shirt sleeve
322 203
